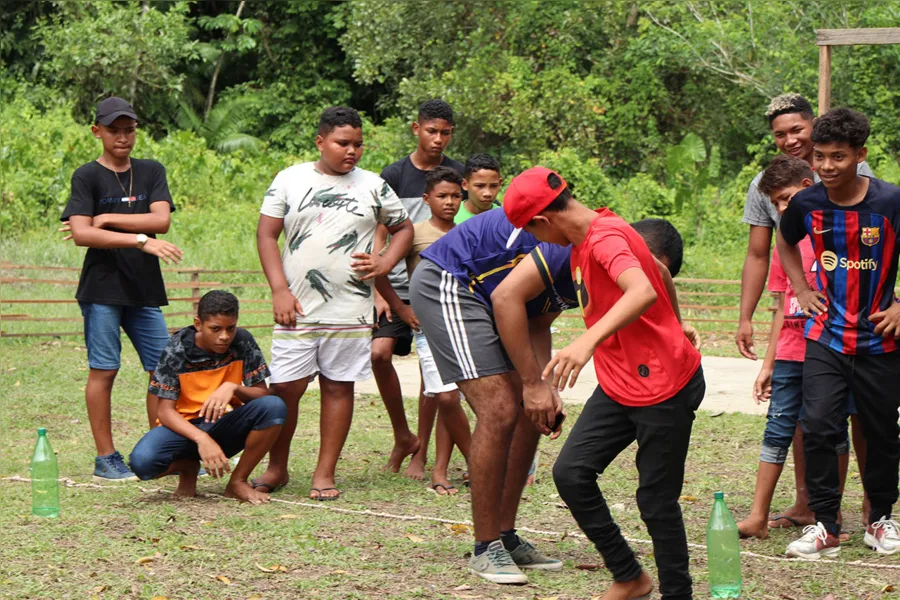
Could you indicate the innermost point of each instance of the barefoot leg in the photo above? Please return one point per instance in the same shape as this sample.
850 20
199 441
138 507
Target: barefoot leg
258 442
427 412
405 443
756 525
187 469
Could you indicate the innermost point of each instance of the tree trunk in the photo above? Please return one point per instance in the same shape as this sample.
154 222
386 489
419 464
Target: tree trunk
132 93
212 84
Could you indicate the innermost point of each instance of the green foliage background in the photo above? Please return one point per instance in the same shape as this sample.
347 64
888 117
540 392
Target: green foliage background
652 108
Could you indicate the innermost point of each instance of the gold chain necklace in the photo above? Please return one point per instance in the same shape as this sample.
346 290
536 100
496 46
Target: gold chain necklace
130 181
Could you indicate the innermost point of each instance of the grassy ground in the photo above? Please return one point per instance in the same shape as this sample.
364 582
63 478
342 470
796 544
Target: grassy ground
136 541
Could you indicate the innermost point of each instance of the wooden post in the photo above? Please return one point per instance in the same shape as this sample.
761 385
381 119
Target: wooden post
195 292
824 79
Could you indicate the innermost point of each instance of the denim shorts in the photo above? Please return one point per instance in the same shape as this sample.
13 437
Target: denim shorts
144 325
161 446
786 409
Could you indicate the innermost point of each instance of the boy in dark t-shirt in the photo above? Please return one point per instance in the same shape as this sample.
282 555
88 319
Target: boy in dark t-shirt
117 207
649 374
853 222
434 129
214 402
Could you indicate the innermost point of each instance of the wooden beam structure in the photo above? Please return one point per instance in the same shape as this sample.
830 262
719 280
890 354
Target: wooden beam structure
826 38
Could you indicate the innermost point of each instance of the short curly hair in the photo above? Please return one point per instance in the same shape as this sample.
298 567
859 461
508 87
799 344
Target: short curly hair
841 125
338 116
480 162
784 171
663 240
786 104
217 302
435 109
441 174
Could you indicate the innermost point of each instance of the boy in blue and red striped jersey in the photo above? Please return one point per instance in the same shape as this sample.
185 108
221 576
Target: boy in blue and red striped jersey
853 222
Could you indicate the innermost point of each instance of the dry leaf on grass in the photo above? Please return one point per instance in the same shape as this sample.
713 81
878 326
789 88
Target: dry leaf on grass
254 597
458 528
414 538
159 598
887 588
223 579
546 598
688 499
289 516
144 560
463 588
587 567
190 547
338 572
466 596
99 589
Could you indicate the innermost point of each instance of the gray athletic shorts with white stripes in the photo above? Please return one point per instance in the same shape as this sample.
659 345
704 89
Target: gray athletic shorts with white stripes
459 327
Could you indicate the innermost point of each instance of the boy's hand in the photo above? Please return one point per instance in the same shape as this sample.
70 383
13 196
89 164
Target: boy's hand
744 340
887 322
214 460
407 315
570 361
66 229
214 407
382 308
286 307
691 334
762 387
371 264
167 251
812 302
542 405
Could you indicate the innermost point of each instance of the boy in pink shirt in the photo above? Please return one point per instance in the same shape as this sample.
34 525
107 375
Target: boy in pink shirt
780 380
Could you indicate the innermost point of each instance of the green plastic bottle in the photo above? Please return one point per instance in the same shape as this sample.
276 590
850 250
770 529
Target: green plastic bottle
44 474
723 551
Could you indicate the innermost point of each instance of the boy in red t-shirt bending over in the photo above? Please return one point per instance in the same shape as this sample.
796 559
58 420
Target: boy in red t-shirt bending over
650 377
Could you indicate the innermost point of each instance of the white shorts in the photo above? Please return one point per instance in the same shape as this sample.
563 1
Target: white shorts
430 376
338 352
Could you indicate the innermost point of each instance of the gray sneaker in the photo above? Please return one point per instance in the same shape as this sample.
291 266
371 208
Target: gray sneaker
526 556
112 468
496 565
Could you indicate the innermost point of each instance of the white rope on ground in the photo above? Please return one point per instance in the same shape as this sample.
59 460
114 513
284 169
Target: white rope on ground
383 515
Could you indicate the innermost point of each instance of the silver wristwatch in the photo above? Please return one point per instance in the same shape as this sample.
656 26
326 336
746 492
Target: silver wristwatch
141 240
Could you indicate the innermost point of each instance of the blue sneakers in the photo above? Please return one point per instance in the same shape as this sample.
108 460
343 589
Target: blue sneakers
112 468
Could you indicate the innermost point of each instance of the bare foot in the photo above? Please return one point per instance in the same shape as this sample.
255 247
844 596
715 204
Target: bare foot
751 527
272 479
630 590
187 479
400 451
244 492
416 468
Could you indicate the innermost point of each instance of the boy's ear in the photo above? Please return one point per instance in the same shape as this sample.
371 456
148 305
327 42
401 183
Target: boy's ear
415 128
197 322
320 141
95 129
465 185
861 154
806 182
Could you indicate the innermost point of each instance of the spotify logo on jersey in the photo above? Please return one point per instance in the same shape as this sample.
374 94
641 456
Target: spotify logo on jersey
829 260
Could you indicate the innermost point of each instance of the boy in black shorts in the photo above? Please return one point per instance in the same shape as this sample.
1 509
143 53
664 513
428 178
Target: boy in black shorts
853 222
434 129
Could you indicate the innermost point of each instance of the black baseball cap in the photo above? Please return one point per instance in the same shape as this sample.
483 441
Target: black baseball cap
111 109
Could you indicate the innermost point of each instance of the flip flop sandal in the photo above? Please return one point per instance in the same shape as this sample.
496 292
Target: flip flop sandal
272 487
776 518
322 498
434 489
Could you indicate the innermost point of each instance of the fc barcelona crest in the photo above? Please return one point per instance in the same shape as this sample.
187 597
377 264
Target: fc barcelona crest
870 235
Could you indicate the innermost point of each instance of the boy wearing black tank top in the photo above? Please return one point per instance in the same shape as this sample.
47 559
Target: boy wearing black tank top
118 205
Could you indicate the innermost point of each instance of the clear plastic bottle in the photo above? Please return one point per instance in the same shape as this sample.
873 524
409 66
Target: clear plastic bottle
44 474
723 551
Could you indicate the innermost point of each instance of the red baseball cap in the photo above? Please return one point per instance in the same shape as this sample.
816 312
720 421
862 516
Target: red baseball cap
528 194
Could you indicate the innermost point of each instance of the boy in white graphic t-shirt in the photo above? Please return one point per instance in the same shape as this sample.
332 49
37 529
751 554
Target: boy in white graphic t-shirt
322 284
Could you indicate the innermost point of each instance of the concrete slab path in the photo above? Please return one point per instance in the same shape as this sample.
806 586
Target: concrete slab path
729 382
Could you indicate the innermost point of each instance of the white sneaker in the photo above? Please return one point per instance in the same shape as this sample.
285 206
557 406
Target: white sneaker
883 536
496 565
815 543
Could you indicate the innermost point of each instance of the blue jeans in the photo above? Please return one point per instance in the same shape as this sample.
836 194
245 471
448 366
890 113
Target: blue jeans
144 325
161 446
786 409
